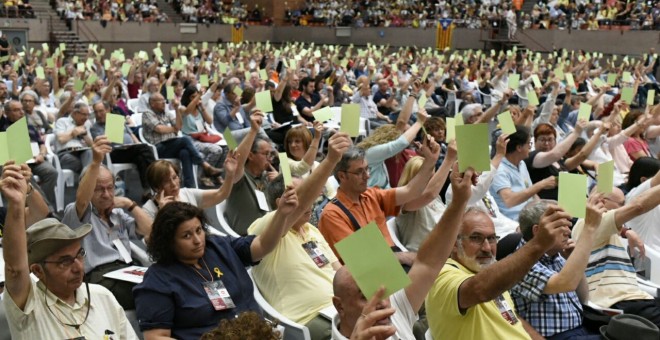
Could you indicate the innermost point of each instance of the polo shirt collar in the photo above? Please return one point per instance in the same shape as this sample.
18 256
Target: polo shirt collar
52 299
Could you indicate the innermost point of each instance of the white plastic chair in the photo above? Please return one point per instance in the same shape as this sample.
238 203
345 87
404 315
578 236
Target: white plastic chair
66 178
225 227
174 161
293 331
428 335
394 234
133 104
116 168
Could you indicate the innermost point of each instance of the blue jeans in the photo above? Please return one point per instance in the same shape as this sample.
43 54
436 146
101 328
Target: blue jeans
183 149
579 333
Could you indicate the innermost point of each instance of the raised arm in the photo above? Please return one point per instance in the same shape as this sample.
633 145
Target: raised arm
243 149
504 274
494 109
544 159
310 154
265 242
214 197
436 183
588 148
437 247
87 184
430 151
512 198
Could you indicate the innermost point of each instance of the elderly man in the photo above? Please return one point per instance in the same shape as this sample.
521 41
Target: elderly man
551 294
474 114
56 307
368 108
610 273
73 140
108 245
384 99
132 151
350 302
469 299
356 205
302 252
36 117
512 187
161 130
228 113
40 167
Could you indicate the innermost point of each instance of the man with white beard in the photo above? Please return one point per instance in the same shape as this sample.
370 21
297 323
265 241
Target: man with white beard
470 299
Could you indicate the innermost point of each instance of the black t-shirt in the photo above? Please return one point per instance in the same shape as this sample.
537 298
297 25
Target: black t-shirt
302 103
539 174
4 44
282 112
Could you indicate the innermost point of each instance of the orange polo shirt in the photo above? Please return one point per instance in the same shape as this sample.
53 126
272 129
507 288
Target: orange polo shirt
375 205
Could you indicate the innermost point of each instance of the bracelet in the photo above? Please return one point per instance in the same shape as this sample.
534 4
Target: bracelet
30 190
130 209
623 232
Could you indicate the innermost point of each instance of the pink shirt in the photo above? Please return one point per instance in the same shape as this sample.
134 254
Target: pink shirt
634 145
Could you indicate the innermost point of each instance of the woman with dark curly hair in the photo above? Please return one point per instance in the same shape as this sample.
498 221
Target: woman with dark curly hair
199 279
248 325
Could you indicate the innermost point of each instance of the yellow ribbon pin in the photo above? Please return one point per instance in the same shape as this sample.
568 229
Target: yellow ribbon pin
217 271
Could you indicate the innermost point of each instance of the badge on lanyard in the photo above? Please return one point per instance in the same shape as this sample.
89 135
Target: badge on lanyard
218 294
489 206
505 310
315 253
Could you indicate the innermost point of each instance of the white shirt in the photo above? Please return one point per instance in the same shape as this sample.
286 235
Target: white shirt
403 319
645 225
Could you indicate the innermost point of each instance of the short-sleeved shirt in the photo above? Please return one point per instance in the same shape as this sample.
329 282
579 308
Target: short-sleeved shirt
633 145
610 273
33 132
186 195
306 288
515 178
99 242
98 129
378 96
222 118
150 120
403 319
302 103
66 124
549 314
242 205
645 225
481 321
172 296
35 321
375 205
539 174
415 226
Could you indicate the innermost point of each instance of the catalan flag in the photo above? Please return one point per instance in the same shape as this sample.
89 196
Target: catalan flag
237 32
444 34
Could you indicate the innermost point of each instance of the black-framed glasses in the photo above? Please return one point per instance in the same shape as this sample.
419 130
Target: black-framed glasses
478 239
362 172
66 262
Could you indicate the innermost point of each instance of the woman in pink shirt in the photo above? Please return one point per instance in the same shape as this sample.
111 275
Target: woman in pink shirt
636 146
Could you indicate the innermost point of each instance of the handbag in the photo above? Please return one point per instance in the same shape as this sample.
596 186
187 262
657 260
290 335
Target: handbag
206 137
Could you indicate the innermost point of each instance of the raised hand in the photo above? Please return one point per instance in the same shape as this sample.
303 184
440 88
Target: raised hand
14 182
256 119
500 146
337 145
289 201
365 327
163 200
100 148
553 227
461 184
595 210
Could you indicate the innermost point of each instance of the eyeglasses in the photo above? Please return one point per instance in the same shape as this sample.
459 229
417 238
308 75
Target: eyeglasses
545 140
478 239
67 262
100 190
268 154
362 172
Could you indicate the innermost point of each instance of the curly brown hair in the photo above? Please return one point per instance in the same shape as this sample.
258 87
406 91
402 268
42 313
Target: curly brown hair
247 326
168 219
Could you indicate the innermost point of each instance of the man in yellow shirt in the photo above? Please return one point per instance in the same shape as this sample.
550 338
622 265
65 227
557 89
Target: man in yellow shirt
470 299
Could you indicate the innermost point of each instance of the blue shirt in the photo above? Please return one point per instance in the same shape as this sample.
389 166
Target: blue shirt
172 296
549 314
511 177
222 118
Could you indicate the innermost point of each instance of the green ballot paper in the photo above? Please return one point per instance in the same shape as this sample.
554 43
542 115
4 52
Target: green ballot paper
472 147
514 80
323 114
284 168
598 82
78 85
114 128
537 81
371 262
611 79
263 75
229 138
170 92
422 100
451 129
573 194
605 177
584 112
532 98
650 98
569 80
40 72
125 68
17 135
350 119
263 101
459 119
559 73
506 123
204 80
627 95
627 77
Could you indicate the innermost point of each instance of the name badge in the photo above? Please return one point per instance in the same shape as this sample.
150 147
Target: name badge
261 200
315 253
123 252
505 310
218 294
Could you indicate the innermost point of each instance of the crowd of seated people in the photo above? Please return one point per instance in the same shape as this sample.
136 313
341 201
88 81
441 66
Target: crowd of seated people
17 9
107 11
449 224
643 15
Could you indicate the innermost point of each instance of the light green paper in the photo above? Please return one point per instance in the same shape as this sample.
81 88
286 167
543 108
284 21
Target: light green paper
422 100
611 79
559 73
569 79
605 177
263 75
223 68
532 98
627 77
170 92
426 73
322 115
40 72
78 85
598 82
506 123
451 129
114 128
204 80
125 68
229 138
350 119
20 149
627 95
92 78
585 112
285 168
371 262
264 102
537 81
472 146
650 98
4 148
459 120
514 80
573 194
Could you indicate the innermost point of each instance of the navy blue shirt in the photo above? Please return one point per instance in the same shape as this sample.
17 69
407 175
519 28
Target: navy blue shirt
378 96
302 103
172 297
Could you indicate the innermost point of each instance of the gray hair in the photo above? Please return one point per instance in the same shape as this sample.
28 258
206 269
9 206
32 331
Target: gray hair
78 106
255 144
102 166
275 189
530 216
468 111
29 93
352 154
7 105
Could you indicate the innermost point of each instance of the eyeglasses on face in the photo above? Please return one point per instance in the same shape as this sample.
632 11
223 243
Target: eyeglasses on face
67 262
362 172
478 239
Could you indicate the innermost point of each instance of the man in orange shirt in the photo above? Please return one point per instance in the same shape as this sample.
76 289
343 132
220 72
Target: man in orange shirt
356 205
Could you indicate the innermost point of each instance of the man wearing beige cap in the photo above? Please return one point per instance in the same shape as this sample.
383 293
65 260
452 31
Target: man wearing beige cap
56 307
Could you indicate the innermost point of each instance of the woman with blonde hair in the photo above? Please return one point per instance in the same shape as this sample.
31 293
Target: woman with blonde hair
418 217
